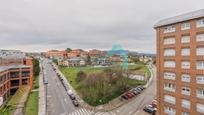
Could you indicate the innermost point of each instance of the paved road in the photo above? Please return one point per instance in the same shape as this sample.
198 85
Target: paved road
135 106
58 102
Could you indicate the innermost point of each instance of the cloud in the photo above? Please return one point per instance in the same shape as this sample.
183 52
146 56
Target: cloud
40 25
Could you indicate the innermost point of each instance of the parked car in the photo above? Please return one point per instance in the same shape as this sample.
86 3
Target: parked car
141 87
72 97
150 109
137 90
129 95
124 97
134 91
75 103
69 92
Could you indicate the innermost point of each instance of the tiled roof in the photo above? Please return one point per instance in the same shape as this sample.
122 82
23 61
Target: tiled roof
180 18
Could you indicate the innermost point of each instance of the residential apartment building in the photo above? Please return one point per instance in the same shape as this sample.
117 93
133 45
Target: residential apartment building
15 71
180 64
56 54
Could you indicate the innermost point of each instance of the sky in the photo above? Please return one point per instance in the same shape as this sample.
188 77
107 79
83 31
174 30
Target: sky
41 25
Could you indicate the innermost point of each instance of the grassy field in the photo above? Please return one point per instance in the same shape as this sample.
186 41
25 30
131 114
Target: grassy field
95 97
32 104
70 73
31 107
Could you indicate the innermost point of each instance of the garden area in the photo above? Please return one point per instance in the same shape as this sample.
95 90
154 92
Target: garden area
98 86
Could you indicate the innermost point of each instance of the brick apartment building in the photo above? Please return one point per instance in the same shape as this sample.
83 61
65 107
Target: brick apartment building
15 71
56 54
180 64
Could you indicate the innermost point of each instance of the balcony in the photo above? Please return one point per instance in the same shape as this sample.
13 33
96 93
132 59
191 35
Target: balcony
170 112
169 89
185 93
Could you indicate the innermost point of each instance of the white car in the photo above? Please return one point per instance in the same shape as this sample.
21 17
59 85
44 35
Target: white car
69 92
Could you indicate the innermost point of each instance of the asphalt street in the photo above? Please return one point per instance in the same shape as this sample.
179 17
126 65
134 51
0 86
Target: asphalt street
135 106
58 102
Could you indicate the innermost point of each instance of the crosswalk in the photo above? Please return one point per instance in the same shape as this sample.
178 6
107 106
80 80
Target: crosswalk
84 111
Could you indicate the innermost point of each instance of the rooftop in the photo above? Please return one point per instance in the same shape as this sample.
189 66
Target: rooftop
180 18
3 68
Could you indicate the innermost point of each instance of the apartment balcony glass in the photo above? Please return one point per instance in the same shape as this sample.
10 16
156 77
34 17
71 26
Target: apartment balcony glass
185 39
185 104
185 77
185 91
170 111
200 108
25 74
170 87
200 23
200 79
14 74
170 99
169 75
200 93
200 65
200 37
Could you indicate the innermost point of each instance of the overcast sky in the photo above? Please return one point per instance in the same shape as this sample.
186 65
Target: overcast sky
41 25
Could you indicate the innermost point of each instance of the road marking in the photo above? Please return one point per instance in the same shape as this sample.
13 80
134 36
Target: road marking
65 101
63 114
130 112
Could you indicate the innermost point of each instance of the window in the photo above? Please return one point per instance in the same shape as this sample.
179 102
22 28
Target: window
169 75
200 65
185 113
170 64
169 29
200 51
170 99
185 51
200 93
185 65
169 52
200 23
185 103
170 111
169 87
200 37
200 108
200 79
185 39
185 77
168 41
185 26
185 91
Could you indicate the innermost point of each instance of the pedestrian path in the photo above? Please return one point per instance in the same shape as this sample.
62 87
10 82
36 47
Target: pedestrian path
84 111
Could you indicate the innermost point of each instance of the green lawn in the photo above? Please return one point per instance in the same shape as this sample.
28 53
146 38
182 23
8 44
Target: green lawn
31 107
32 104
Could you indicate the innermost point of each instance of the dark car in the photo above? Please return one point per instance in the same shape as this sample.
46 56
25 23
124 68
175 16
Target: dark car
75 103
124 97
141 87
149 109
135 92
72 97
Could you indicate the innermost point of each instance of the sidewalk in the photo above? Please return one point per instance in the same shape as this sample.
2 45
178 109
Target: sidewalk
23 92
42 98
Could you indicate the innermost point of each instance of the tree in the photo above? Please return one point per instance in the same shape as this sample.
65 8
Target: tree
68 49
81 76
88 60
36 67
